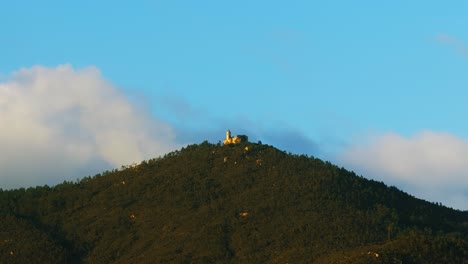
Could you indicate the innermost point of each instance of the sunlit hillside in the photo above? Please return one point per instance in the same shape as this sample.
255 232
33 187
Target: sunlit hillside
237 203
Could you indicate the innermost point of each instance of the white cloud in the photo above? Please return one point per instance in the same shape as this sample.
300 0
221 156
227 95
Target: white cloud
58 122
430 165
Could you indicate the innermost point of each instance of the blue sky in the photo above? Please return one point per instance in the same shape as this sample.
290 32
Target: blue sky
376 87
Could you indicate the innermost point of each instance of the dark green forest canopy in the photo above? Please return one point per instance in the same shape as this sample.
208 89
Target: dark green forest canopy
243 203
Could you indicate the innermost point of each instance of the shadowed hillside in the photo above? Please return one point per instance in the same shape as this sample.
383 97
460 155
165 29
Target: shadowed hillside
243 203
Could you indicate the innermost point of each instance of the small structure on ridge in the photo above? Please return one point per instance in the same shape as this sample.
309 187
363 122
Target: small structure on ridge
234 140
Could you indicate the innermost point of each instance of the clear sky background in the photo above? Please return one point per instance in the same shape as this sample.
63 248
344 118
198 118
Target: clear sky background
379 88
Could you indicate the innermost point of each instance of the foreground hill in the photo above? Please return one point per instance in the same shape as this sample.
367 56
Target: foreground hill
243 203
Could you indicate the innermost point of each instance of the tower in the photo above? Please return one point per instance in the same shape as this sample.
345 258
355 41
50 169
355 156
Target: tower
228 139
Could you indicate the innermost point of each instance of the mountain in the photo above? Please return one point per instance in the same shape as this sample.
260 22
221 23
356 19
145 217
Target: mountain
238 203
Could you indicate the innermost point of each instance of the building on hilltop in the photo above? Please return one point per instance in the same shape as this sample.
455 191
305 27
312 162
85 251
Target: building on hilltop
234 140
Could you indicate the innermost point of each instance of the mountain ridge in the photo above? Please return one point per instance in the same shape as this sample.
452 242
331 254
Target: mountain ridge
242 203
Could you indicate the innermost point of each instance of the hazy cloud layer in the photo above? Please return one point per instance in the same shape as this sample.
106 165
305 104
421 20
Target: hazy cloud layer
430 165
459 45
291 141
57 123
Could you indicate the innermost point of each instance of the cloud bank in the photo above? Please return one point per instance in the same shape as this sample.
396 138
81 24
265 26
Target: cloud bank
58 123
430 165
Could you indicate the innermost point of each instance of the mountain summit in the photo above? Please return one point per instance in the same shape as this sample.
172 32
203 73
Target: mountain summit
233 203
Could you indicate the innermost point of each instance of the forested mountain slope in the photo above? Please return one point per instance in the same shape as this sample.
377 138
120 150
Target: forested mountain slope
242 203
